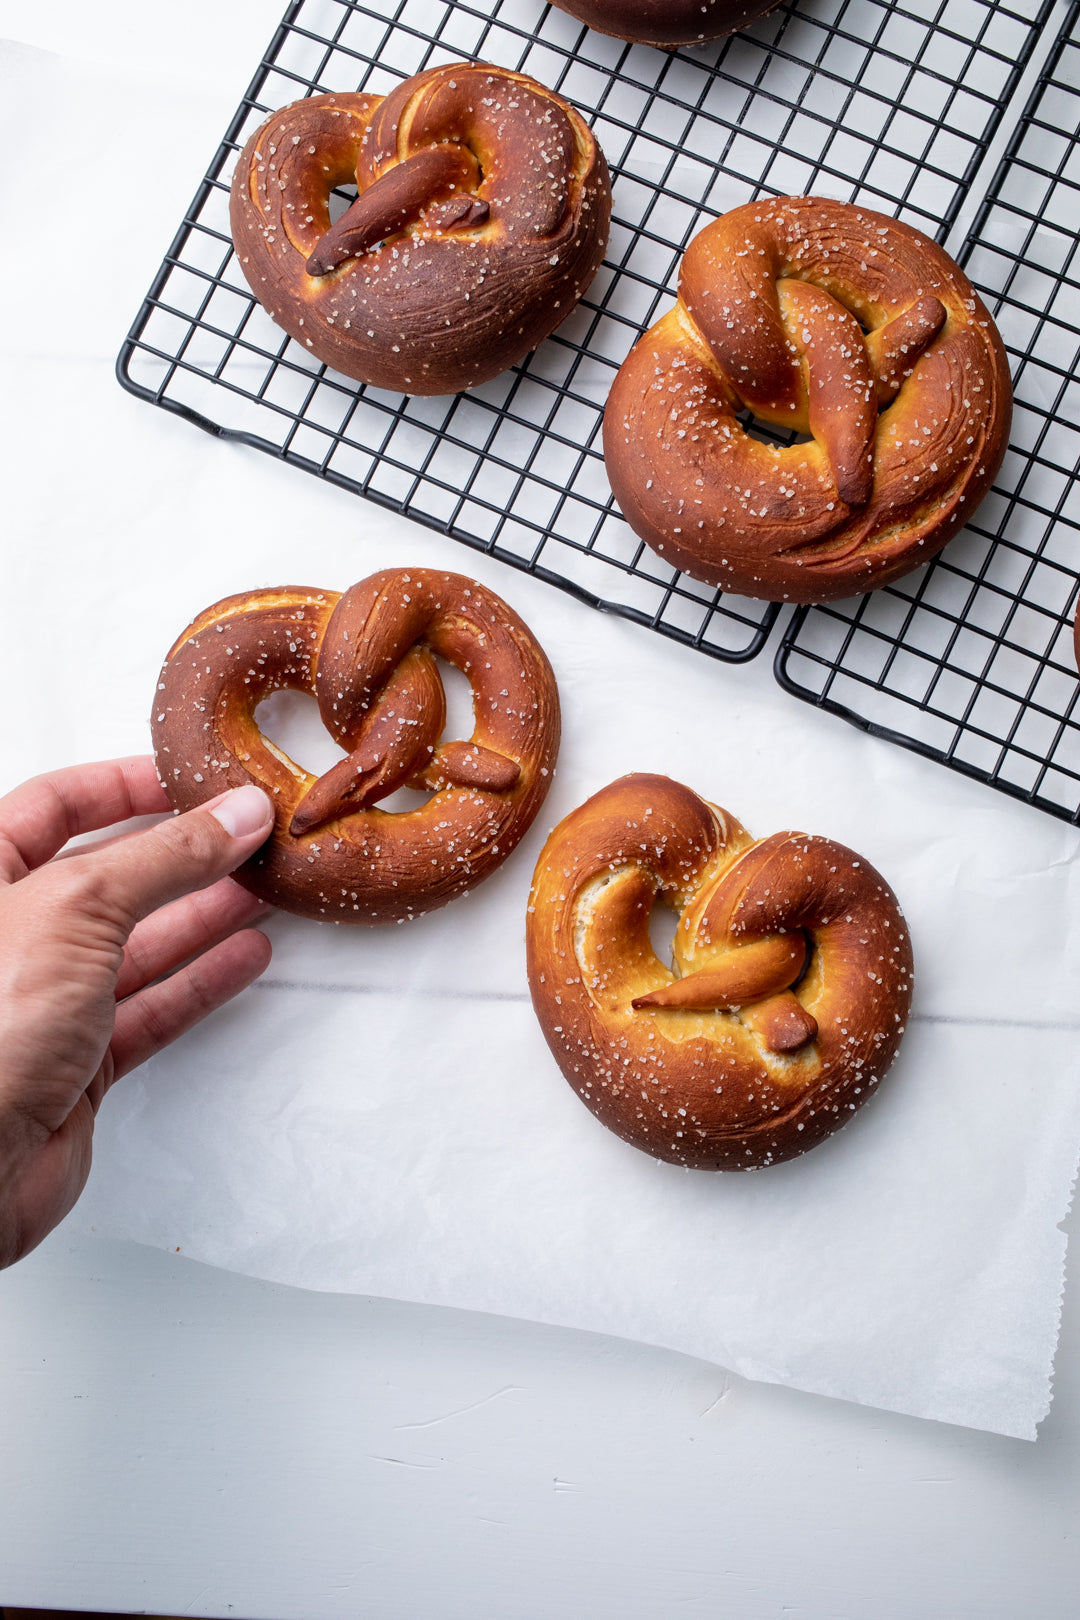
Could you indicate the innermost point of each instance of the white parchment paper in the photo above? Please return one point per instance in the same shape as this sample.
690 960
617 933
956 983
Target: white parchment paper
381 1114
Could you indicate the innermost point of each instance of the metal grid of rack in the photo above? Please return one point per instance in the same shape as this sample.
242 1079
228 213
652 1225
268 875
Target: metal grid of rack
889 105
971 660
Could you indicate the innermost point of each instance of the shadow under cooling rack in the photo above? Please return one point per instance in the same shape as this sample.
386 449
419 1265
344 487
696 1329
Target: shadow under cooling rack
889 105
971 660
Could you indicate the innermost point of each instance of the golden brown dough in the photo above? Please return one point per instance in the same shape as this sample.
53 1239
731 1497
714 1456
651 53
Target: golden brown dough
368 657
843 325
482 213
667 22
792 987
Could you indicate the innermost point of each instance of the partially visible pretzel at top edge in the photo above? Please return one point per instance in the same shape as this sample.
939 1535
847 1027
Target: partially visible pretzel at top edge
836 322
667 23
482 213
368 657
791 983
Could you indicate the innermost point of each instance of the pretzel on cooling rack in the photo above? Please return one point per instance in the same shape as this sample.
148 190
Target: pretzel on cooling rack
667 22
791 990
482 213
832 321
368 657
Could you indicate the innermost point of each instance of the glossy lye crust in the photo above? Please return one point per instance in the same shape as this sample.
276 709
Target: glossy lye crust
791 990
482 214
835 322
368 657
667 22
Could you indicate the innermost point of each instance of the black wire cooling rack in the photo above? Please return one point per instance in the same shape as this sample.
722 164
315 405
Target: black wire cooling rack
971 659
890 105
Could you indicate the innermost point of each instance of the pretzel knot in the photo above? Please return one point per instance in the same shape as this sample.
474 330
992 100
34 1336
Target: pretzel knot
836 323
790 990
482 213
368 657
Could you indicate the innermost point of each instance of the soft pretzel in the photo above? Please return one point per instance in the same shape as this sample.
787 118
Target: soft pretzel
482 213
368 657
667 22
791 987
835 322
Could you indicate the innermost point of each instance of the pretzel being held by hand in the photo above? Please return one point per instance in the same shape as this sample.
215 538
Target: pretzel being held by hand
482 212
838 323
368 656
791 990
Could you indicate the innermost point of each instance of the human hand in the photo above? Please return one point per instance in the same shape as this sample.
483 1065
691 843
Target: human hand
107 954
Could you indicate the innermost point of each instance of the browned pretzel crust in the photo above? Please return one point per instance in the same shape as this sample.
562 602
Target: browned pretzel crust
368 658
667 22
839 323
791 991
482 213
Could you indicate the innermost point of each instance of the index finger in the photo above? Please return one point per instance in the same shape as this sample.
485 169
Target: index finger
38 818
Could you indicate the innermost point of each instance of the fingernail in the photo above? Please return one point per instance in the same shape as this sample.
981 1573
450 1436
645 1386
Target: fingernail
244 811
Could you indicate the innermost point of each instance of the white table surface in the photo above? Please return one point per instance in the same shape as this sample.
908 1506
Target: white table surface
180 1440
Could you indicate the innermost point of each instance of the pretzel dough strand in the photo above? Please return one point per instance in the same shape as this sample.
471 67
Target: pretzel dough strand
369 658
831 321
791 989
482 214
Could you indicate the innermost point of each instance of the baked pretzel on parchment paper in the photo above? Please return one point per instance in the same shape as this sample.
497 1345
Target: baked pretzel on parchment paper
843 325
667 23
368 656
482 213
790 991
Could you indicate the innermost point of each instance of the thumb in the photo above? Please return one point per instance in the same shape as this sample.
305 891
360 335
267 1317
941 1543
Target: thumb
138 874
